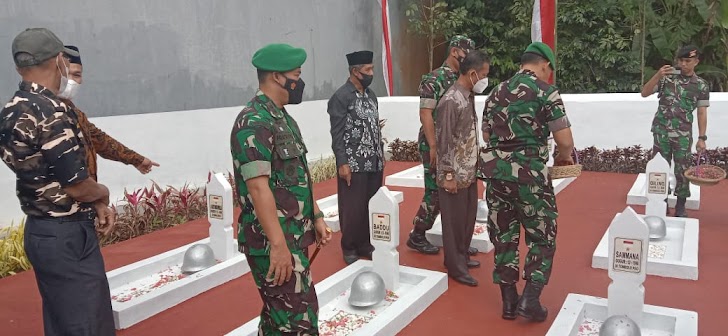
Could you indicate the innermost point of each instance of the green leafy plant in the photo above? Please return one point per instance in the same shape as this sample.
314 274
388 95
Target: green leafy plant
434 21
12 253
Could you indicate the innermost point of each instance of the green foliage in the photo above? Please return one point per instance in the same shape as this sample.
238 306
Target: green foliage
434 21
602 46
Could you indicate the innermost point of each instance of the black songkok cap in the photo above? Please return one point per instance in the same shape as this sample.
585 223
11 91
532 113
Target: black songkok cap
74 59
360 57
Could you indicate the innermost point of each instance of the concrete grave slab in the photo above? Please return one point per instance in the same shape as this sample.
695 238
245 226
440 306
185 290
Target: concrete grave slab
636 194
330 207
675 256
417 290
414 178
481 240
582 315
150 286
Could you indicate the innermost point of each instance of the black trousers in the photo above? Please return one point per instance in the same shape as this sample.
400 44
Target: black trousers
354 211
69 269
458 212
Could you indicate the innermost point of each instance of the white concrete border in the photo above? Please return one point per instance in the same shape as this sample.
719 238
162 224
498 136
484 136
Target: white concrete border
636 194
577 307
331 203
429 285
685 268
131 312
409 178
479 241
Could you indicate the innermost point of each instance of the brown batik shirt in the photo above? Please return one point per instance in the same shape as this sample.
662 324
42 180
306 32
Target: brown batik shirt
456 137
103 144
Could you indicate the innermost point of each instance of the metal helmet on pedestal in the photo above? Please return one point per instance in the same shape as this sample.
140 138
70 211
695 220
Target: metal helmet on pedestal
619 325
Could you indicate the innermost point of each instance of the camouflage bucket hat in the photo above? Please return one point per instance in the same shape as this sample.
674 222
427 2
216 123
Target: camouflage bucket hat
462 42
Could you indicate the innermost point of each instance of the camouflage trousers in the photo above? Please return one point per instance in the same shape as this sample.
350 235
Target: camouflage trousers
430 206
678 149
511 205
289 309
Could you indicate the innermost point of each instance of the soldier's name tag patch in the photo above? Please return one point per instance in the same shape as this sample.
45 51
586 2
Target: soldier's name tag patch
286 145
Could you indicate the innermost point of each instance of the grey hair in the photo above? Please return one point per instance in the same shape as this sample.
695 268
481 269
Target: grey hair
358 67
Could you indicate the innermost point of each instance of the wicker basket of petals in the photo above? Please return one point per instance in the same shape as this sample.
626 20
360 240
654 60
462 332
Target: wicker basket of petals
560 172
704 175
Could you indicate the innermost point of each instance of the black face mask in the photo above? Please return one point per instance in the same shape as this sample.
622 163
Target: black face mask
295 90
365 80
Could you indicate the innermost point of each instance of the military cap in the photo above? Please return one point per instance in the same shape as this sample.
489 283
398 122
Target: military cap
690 51
462 42
360 57
278 57
74 59
41 44
543 50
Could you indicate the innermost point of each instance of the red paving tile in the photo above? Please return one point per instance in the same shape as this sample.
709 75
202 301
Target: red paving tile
587 206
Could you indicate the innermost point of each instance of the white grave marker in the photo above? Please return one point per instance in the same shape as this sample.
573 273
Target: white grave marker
628 251
658 180
384 236
220 215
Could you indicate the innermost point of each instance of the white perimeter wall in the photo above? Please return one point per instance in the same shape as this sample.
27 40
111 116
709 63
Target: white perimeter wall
188 144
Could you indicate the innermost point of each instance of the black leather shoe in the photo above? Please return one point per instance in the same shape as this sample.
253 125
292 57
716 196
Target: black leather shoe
509 294
680 207
418 242
529 305
472 251
466 280
473 264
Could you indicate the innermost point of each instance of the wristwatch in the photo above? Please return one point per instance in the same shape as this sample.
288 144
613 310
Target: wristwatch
703 137
448 177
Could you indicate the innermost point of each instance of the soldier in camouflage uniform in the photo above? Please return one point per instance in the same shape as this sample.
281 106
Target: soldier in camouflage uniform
432 88
672 127
40 143
519 116
279 215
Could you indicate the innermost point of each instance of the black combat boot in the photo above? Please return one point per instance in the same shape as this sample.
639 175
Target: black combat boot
680 207
529 305
509 294
418 242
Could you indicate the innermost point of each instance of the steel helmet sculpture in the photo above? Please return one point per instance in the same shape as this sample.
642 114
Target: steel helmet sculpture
197 258
367 290
619 325
658 228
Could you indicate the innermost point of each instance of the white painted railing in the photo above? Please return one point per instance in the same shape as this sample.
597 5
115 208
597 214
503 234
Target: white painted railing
188 144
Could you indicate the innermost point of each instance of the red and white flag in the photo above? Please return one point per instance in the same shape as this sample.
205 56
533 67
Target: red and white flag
543 24
386 48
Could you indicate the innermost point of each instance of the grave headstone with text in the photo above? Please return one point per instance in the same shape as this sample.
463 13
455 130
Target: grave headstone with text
220 215
628 251
384 236
658 180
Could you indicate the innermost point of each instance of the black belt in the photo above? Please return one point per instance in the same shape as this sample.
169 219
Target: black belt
77 217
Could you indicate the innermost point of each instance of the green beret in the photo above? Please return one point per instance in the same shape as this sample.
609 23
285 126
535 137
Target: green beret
279 57
543 50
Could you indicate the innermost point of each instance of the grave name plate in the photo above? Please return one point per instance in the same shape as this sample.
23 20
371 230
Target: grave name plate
220 216
657 172
657 183
384 236
628 250
381 227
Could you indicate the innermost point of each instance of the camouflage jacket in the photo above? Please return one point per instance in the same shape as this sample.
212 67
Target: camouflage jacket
99 142
519 116
457 138
266 141
432 88
41 144
679 96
